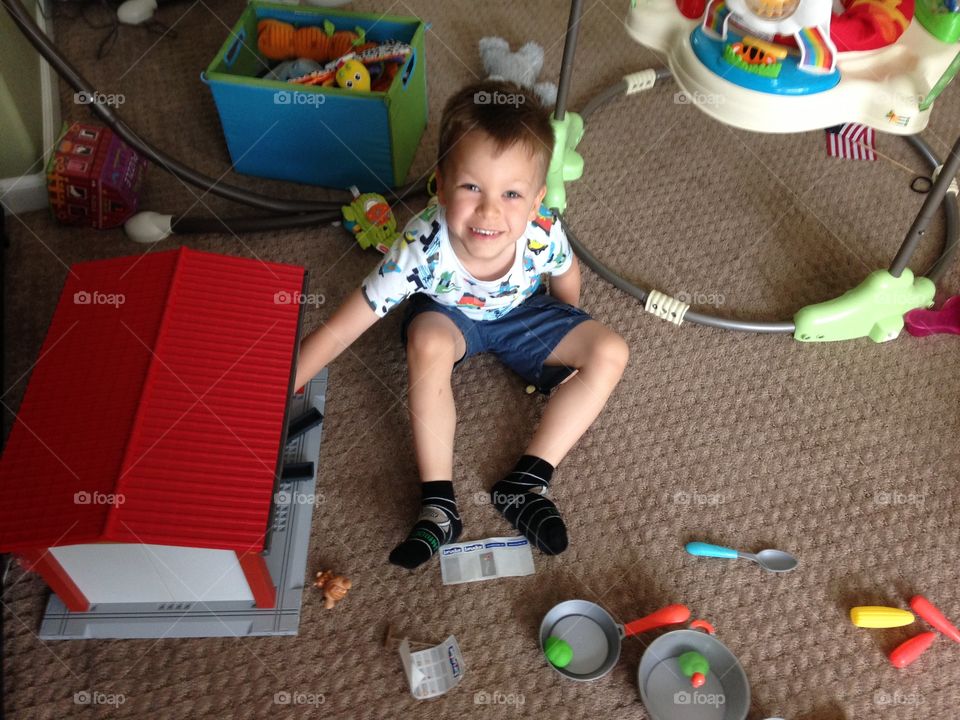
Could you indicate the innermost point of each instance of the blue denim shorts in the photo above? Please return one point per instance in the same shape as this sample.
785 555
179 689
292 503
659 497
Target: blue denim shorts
522 339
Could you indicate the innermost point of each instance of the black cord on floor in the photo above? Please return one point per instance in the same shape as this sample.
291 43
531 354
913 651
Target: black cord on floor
102 15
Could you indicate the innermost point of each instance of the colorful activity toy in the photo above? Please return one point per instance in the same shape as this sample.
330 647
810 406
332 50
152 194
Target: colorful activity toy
793 65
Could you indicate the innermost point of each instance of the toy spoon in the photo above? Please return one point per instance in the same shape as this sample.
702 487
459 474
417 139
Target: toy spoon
772 560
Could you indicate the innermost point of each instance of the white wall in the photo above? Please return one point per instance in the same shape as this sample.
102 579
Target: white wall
117 573
29 113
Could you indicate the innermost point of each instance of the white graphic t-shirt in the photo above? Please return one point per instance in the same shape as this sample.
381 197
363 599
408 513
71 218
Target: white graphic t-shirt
423 261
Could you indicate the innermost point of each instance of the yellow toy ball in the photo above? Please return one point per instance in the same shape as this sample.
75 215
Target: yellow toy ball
353 75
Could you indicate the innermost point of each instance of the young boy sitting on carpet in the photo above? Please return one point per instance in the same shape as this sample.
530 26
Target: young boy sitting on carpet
472 268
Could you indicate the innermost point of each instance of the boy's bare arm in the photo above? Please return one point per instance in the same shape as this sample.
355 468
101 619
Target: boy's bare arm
566 287
320 347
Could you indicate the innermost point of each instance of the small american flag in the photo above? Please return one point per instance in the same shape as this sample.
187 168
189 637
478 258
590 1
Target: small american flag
852 141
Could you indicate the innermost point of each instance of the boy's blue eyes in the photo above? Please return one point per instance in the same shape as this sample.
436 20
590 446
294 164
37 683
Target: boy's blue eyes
512 194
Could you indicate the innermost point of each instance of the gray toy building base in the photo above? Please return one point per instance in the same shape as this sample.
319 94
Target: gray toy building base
286 558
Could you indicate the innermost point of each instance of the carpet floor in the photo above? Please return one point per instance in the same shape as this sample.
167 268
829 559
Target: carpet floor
839 453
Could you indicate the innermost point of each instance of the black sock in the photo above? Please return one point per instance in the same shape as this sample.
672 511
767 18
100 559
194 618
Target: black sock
438 524
520 497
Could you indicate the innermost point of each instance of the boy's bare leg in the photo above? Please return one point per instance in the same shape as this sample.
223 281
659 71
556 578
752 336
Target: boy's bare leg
434 344
600 356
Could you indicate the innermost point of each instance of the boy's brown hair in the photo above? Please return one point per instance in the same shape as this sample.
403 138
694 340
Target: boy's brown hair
506 112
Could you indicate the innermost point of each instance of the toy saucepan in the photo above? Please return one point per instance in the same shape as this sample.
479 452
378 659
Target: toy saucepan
667 693
591 638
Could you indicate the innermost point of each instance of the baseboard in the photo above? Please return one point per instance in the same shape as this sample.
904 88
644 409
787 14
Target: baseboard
24 194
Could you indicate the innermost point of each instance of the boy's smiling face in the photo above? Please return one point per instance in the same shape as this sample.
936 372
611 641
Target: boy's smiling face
489 197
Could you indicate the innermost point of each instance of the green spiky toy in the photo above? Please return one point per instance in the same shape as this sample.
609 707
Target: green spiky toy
371 220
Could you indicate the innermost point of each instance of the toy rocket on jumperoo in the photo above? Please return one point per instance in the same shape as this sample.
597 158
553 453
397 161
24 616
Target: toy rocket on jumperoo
807 21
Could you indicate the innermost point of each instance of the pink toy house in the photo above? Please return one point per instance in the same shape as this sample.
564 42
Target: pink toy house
142 463
93 177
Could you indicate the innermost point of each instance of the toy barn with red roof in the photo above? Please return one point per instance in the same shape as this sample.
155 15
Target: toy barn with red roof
144 458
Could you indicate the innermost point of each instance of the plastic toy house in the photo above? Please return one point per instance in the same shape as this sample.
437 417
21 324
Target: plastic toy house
144 457
93 177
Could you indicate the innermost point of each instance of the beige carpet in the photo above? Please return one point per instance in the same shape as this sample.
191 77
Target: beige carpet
844 454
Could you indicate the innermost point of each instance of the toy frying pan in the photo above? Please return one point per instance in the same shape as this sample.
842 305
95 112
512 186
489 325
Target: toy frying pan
667 693
595 637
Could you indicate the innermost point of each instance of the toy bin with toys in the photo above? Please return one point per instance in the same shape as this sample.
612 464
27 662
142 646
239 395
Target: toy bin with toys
309 129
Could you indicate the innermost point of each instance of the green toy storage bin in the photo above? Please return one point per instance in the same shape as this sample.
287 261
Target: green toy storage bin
319 136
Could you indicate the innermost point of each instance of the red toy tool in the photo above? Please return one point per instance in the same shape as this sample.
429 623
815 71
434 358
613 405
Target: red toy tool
670 615
928 611
908 651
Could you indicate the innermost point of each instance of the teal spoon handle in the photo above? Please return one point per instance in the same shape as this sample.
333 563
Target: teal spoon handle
708 550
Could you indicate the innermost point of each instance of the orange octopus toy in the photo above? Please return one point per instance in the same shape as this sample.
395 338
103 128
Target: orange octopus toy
278 40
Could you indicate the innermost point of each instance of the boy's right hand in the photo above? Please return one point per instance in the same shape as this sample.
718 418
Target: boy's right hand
324 344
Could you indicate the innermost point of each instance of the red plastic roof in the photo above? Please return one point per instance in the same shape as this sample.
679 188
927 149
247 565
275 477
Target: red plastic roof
155 411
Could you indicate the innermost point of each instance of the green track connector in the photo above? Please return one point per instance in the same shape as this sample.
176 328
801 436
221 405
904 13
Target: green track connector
566 164
874 309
